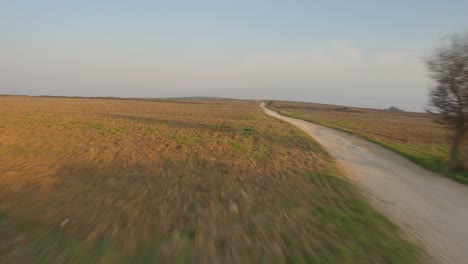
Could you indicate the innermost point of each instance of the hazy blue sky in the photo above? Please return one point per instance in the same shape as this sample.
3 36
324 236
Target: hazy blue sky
363 53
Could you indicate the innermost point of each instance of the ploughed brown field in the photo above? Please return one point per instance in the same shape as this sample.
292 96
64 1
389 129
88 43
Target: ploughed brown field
141 181
414 135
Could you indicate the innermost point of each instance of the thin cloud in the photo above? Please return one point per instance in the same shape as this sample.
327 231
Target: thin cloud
346 49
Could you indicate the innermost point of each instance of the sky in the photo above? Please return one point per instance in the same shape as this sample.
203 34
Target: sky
356 53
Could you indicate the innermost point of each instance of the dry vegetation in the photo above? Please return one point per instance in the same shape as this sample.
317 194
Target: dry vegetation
414 135
94 180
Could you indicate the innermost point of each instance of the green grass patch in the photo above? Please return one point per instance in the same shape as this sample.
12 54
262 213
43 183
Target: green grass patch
26 242
238 145
430 157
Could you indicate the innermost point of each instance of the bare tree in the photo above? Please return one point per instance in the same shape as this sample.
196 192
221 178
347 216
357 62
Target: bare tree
448 67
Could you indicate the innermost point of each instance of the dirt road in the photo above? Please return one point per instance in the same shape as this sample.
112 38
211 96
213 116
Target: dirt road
432 209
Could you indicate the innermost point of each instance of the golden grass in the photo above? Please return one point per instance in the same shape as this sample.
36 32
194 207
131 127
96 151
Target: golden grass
205 181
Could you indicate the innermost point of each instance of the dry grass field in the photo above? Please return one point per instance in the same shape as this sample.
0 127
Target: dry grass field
132 181
413 135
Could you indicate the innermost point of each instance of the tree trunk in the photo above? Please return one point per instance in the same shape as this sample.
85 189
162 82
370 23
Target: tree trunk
454 151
